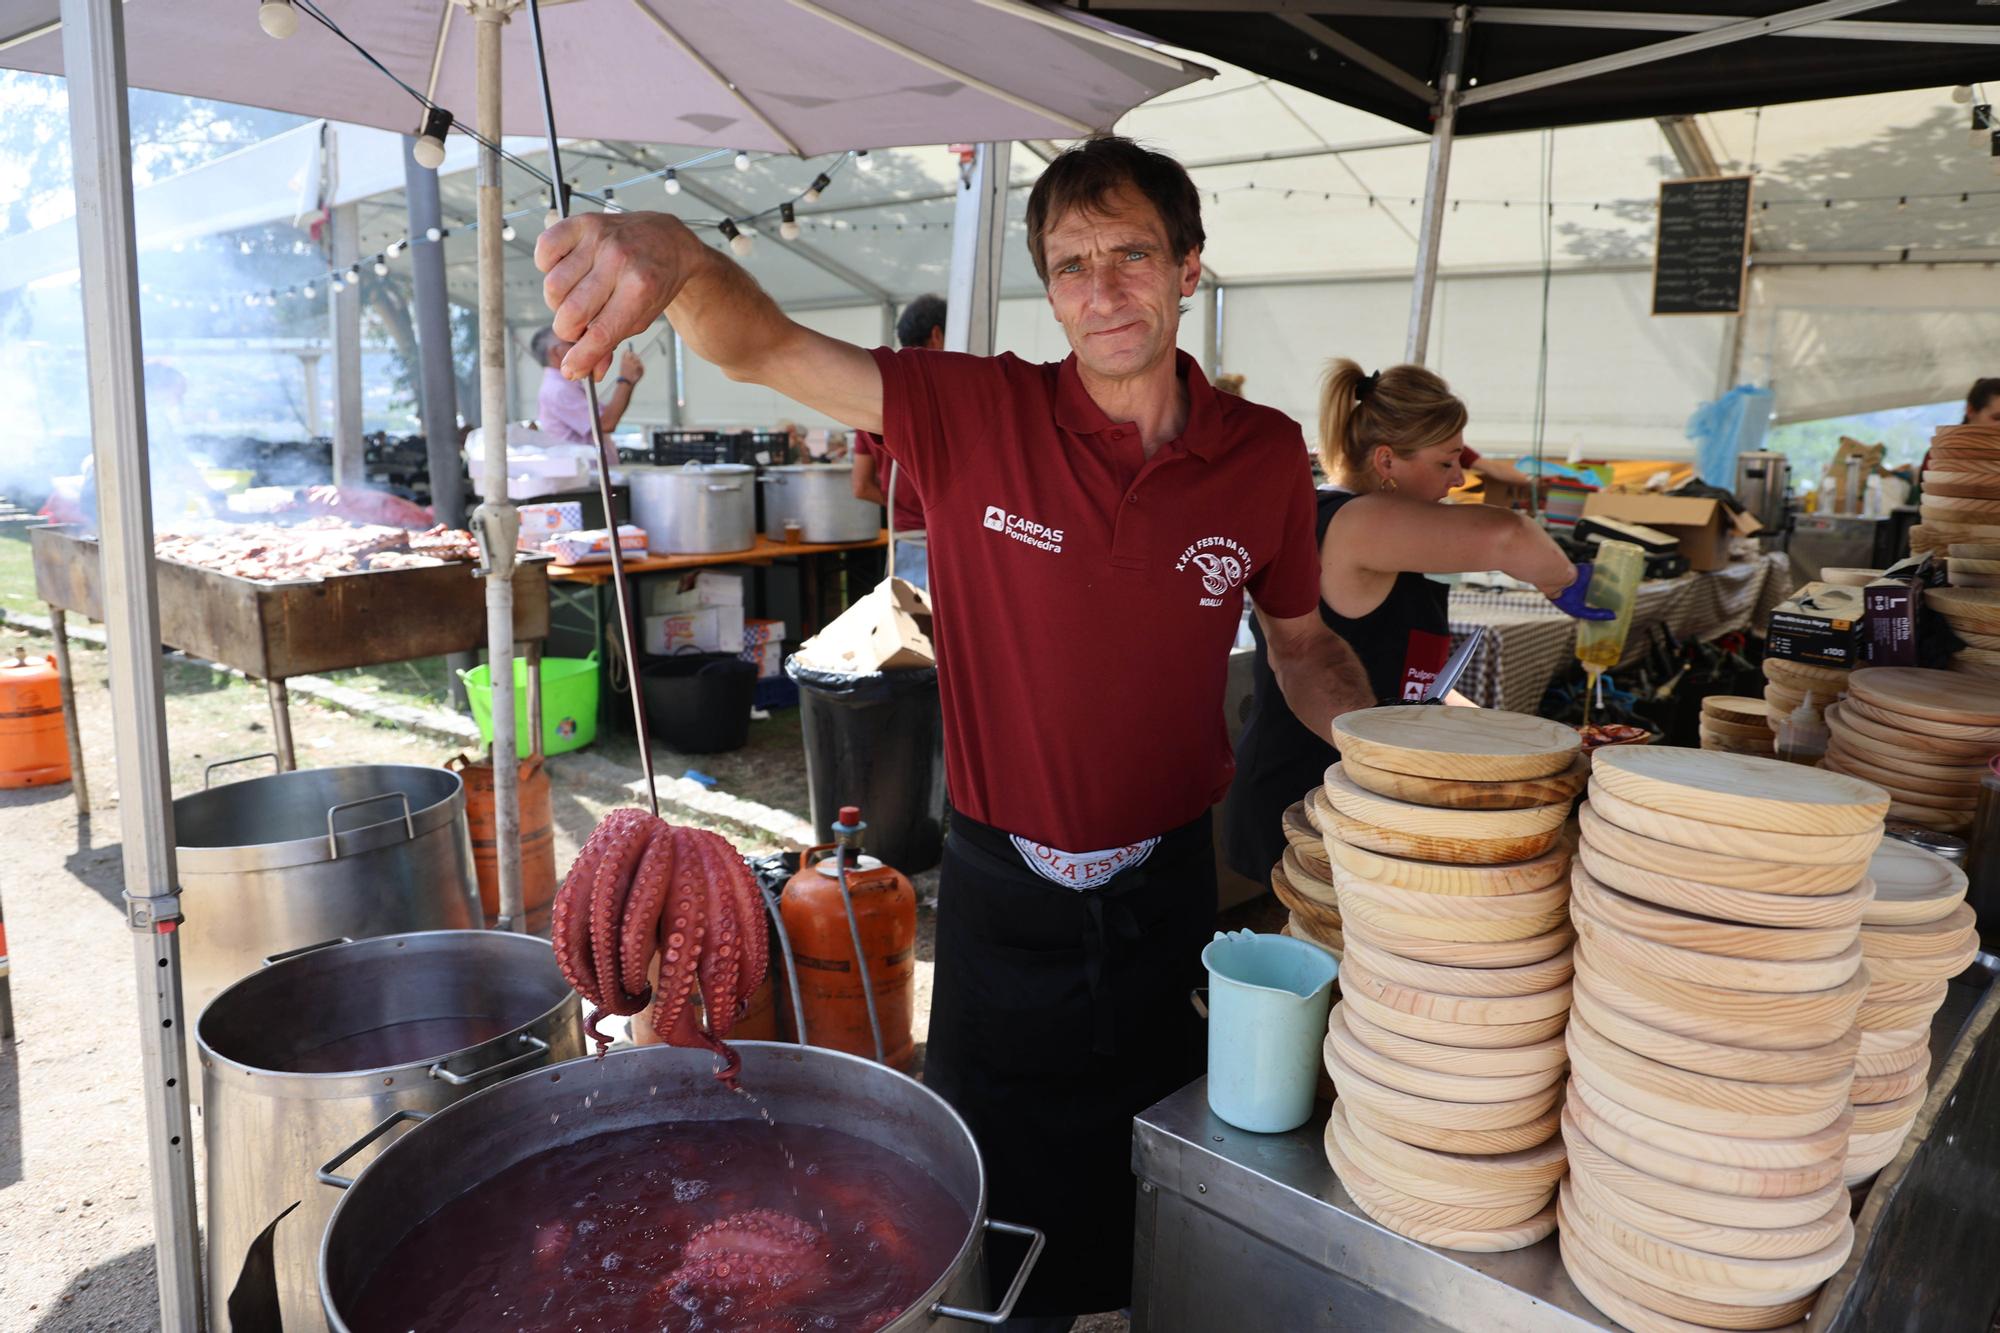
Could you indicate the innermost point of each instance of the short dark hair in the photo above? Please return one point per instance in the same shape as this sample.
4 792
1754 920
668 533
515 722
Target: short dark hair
1088 172
545 338
919 317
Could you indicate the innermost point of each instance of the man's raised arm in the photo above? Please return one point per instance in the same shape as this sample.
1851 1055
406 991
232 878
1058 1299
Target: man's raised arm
610 275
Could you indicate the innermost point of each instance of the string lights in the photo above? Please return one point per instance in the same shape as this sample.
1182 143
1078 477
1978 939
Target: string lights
428 150
278 18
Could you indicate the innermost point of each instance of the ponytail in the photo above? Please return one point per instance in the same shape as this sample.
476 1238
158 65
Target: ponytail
1406 408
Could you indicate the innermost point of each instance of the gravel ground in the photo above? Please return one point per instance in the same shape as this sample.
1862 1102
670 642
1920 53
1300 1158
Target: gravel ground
76 1223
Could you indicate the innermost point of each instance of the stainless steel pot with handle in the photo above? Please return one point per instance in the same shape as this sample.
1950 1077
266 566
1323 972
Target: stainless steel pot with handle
696 508
820 498
292 859
304 1055
484 1135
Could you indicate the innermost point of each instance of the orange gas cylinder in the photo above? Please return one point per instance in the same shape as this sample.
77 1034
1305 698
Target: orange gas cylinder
538 838
33 748
830 993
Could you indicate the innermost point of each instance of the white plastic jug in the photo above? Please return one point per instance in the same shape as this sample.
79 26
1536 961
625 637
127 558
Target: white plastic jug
1268 997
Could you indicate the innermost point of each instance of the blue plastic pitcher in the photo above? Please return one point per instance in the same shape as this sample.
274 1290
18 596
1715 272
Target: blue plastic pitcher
1268 997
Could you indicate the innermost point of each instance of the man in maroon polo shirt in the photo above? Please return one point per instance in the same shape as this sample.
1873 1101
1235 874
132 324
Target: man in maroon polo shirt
1094 526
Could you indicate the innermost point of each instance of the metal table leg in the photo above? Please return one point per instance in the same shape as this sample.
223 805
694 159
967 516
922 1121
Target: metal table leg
281 723
79 785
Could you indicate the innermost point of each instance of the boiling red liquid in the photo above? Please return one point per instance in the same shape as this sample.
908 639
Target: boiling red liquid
399 1044
589 1237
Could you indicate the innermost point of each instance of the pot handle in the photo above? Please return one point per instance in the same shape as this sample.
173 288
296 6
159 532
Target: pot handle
536 1048
306 949
769 479
1036 1240
325 1174
271 755
333 843
714 488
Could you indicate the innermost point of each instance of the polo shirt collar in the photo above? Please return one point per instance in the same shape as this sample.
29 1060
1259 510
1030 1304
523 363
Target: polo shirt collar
1204 436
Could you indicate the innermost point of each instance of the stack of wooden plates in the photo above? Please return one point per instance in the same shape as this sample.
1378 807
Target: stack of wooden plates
1787 684
1443 828
1717 901
1736 724
1303 881
1916 935
1923 736
1961 484
1973 614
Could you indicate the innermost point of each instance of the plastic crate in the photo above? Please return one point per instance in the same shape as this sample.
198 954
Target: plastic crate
776 692
673 447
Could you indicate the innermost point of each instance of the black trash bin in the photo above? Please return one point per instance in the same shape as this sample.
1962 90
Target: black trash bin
699 703
876 741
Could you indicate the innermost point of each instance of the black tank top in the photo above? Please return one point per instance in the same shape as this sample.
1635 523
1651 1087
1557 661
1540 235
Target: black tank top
1402 644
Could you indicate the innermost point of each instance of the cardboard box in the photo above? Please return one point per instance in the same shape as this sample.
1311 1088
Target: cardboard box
1703 527
1889 621
1820 624
712 629
887 629
764 646
692 591
594 546
543 522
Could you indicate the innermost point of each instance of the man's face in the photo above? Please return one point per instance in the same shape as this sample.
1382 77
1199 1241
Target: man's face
1114 285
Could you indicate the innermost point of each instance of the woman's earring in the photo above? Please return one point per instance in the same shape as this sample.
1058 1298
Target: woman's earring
1388 482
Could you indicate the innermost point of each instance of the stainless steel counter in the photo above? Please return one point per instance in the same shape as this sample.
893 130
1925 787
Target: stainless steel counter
1240 1231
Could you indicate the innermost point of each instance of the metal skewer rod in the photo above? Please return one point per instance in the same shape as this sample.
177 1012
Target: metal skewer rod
606 456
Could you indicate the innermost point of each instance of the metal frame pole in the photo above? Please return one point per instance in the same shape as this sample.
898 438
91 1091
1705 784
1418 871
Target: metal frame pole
93 39
496 521
438 398
344 310
1437 180
978 235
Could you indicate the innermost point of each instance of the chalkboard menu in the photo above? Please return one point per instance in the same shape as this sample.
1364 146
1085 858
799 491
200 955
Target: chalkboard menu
1704 239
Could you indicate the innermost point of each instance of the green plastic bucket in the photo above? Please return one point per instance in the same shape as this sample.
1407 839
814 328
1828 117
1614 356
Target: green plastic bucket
569 703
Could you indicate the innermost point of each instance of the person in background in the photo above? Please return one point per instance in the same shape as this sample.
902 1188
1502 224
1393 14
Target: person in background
562 408
920 325
1230 384
1982 408
1394 444
1495 469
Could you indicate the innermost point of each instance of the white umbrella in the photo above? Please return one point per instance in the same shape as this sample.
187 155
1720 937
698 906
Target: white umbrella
796 76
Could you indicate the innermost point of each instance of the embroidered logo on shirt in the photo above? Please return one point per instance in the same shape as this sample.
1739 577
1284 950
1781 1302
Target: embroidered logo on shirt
1222 563
1024 530
1080 870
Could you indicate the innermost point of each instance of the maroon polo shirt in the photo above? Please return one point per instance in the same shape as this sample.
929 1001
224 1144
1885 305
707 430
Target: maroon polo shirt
1090 595
909 504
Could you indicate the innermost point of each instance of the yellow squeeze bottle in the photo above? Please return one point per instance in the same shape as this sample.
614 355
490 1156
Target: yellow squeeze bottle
1614 586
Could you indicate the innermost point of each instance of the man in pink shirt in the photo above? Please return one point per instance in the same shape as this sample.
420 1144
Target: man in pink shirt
561 408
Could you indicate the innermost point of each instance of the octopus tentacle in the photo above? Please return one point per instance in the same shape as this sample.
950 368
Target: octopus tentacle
634 941
632 830
569 923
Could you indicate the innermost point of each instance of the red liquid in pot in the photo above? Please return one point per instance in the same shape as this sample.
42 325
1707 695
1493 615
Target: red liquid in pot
602 1235
399 1044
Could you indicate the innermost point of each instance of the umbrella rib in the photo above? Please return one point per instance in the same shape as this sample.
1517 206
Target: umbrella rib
709 69
887 43
437 52
1069 27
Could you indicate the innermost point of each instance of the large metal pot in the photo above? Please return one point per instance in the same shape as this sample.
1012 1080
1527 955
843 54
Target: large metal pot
281 862
694 509
481 1136
409 1023
820 498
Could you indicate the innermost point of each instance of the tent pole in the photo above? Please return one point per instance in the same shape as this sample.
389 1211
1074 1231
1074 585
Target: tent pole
93 38
349 452
438 398
978 233
1437 180
496 521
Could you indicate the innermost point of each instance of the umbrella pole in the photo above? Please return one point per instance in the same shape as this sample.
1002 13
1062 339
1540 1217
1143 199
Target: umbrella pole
496 520
1437 180
93 39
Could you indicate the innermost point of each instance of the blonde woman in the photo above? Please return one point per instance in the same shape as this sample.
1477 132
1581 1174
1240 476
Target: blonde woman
1393 443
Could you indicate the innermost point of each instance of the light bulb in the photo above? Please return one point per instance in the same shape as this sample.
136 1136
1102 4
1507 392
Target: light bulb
742 160
250 299
429 152
310 291
507 232
788 222
740 243
672 183
335 285
1961 94
243 247
550 219
381 267
353 275
433 234
861 160
277 18
818 187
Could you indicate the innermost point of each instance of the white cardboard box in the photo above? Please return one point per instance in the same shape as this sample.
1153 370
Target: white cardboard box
712 629
693 591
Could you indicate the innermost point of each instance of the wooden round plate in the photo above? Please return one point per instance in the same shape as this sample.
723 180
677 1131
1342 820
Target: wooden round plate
1447 929
1468 744
1893 1086
1701 1102
1808 675
1778 976
1729 1210
1890 715
1432 1225
1435 821
1862 1167
1605 1288
1460 953
1329 940
1803 1152
1912 886
1435 1120
1473 1061
1744 905
1742 710
1664 925
1499 1207
1698 1272
1534 904
1487 1010
1878 1117
1892 992
1726 840
1456 794
1458 880
1902 788
1641 1154
1977 607
1898 765
1872 1017
1317 914
1312 881
1720 869
1914 747
1707 1057
1299 828
1532 1170
1924 967
1532 979
1419 1082
1738 791
1761 1019
1485 1036
1744 731
1920 939
1900 1045
1431 847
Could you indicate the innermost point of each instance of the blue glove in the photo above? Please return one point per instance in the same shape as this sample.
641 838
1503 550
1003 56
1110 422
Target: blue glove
1570 600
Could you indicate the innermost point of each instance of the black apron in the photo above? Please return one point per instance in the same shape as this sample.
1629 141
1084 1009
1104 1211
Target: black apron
1402 644
1058 1014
